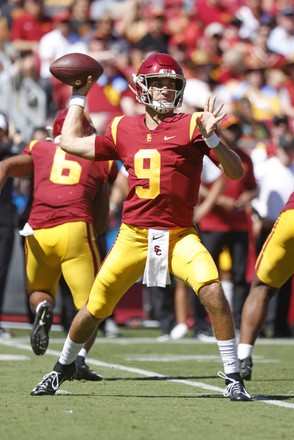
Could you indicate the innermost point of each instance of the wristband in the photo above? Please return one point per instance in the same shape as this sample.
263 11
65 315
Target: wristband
78 100
212 141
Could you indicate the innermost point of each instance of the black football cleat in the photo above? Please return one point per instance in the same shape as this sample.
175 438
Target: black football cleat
235 389
83 372
41 328
245 366
52 381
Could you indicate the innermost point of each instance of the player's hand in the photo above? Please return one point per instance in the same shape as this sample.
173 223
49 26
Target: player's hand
84 89
208 121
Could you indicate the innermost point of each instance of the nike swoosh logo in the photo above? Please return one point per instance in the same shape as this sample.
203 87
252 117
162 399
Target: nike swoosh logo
156 238
166 138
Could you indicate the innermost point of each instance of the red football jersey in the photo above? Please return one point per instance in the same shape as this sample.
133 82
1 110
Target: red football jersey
218 218
65 186
164 167
290 203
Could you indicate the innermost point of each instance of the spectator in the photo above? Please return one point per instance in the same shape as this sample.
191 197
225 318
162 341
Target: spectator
200 80
228 222
260 53
281 39
264 98
287 92
212 11
256 136
81 23
9 10
133 24
185 31
53 8
155 40
252 15
26 32
60 41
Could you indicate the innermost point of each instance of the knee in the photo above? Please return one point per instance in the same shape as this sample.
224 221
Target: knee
213 298
100 310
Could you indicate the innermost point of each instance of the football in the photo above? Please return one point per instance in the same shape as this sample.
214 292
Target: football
74 68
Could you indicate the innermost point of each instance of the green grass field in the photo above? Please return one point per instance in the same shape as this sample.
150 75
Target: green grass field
150 391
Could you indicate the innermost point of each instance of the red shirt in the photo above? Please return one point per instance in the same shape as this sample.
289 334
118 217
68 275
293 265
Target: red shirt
65 186
29 28
219 219
289 204
164 167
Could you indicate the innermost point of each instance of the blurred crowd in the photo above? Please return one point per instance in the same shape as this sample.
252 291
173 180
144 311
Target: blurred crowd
241 51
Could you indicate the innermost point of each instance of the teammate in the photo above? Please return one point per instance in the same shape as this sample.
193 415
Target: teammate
60 234
162 152
274 266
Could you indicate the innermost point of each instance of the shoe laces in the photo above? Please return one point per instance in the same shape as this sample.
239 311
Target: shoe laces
51 379
235 385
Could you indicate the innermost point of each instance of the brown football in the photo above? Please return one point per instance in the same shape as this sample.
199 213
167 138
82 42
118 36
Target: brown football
74 68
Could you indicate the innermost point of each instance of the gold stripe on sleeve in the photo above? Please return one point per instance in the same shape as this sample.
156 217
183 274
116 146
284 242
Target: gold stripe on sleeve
32 144
193 123
114 127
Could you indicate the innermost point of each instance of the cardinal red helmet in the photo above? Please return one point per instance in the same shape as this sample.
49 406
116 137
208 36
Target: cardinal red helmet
159 65
59 120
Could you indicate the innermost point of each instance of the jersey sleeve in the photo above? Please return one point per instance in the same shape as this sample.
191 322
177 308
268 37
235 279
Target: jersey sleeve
105 146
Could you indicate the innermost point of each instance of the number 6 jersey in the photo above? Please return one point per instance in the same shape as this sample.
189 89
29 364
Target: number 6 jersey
65 186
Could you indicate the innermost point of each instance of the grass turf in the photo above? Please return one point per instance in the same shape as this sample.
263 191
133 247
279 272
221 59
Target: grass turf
151 390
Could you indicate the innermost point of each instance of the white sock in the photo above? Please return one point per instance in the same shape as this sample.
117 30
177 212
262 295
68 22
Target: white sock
228 352
69 352
83 353
244 351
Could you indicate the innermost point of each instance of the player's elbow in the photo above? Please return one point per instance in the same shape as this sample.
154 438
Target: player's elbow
65 143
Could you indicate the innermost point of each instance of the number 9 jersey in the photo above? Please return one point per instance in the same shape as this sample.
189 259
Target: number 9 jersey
164 167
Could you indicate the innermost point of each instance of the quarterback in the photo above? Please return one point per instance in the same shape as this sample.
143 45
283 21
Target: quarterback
162 151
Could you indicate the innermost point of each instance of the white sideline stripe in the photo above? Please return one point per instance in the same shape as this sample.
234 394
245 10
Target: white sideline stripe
147 373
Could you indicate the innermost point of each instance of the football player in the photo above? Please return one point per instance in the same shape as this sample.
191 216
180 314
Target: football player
69 209
162 151
274 266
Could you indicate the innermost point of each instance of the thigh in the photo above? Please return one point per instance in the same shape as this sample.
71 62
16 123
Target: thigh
122 267
81 260
191 262
274 265
43 266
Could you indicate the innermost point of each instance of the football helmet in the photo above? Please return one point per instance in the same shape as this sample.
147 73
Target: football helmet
88 126
159 65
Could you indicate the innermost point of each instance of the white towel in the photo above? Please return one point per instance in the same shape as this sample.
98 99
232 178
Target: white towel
156 270
27 230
